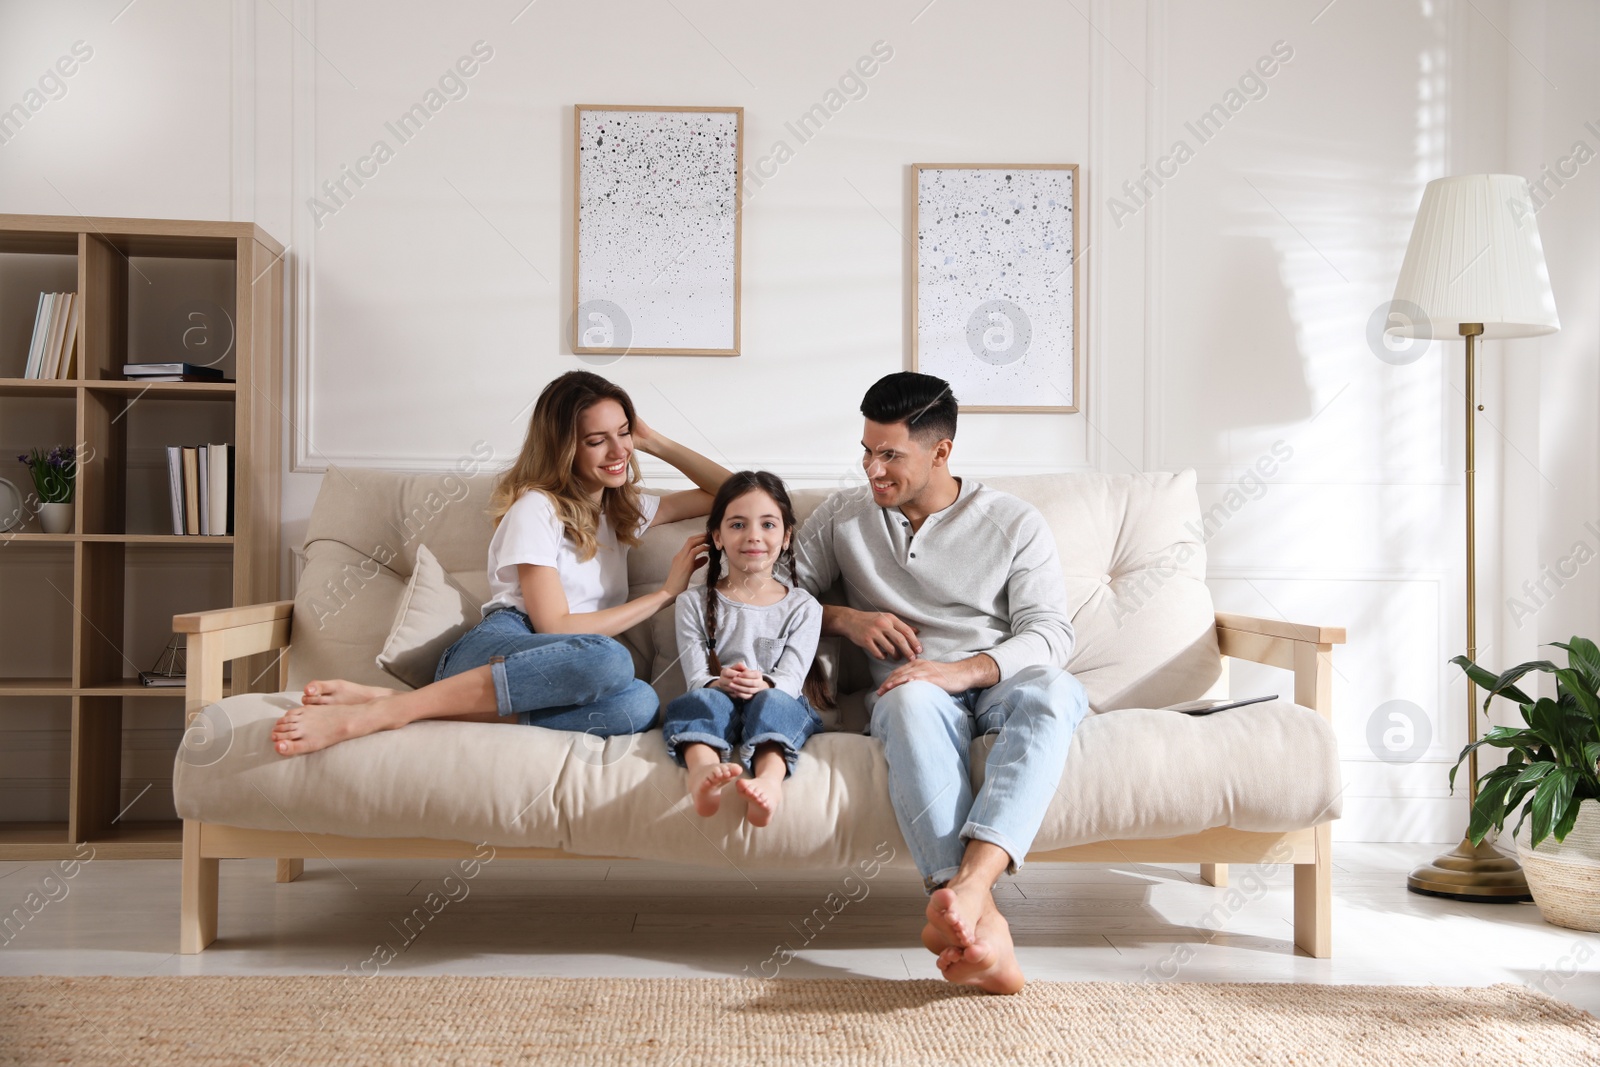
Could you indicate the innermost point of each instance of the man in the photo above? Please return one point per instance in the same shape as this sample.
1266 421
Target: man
955 591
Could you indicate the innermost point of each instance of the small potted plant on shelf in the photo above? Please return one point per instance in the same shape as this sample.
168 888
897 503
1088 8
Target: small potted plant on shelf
1551 774
53 475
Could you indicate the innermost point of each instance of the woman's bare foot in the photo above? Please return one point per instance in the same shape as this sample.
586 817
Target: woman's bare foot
339 691
977 948
705 785
762 796
302 730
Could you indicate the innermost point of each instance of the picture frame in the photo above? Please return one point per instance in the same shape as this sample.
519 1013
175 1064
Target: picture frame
657 224
996 311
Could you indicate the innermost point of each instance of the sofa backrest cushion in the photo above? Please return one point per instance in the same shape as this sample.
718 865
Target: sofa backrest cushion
360 550
1131 550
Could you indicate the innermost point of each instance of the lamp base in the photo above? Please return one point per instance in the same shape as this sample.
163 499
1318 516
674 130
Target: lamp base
1474 873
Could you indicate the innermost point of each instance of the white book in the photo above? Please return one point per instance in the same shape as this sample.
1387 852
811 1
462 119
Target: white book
36 344
205 489
70 337
175 485
219 489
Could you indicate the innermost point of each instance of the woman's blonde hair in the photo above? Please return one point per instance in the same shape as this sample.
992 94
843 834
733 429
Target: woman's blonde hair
546 463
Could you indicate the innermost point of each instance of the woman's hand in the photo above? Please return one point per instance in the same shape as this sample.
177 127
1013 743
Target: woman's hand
644 438
689 559
740 682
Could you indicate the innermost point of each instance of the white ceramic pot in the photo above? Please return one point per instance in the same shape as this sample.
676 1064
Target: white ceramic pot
1564 876
56 518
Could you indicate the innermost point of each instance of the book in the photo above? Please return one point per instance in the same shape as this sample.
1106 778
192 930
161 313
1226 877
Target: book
228 528
141 370
1207 707
177 378
69 343
221 502
175 485
58 330
36 343
163 681
191 490
203 482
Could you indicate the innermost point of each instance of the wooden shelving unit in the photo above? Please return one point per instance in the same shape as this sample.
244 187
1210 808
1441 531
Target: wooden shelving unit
101 675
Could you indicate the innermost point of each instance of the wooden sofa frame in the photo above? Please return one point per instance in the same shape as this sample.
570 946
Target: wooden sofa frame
217 637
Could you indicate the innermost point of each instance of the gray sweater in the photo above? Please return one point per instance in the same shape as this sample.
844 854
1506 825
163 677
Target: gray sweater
982 575
779 640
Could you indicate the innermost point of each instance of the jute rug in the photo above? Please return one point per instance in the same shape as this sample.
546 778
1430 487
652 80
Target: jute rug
682 1022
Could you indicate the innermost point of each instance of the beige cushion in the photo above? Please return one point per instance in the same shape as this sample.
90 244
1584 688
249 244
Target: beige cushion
434 612
1129 774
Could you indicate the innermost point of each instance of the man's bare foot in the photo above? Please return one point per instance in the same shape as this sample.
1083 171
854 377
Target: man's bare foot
302 730
705 785
762 797
339 691
947 926
978 950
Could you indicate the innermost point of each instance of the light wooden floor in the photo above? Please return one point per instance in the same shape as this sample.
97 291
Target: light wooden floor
597 918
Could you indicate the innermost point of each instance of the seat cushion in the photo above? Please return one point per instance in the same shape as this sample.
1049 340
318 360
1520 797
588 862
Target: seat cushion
1133 773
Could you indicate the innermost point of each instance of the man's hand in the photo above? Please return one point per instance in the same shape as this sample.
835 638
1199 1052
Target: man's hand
740 682
973 672
883 634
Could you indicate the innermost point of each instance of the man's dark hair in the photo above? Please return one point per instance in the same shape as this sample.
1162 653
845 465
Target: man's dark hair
924 403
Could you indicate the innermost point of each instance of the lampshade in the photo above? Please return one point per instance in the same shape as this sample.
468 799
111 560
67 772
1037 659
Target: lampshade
1475 256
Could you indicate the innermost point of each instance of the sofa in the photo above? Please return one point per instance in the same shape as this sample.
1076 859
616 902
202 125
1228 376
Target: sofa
1141 784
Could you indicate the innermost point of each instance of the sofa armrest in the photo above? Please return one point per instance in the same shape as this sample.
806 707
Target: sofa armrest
1305 650
216 637
1294 631
226 618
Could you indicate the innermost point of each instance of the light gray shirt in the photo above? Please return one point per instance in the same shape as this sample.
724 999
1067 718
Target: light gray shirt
982 575
779 640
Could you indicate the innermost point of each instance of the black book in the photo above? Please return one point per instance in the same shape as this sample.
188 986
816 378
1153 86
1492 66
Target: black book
142 370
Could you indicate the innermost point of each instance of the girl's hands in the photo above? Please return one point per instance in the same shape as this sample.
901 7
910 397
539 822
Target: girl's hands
690 558
739 681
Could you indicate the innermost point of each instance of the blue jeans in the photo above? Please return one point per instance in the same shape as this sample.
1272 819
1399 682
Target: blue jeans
714 718
927 735
581 682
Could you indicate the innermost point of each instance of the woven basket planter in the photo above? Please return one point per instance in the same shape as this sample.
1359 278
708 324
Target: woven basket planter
1564 876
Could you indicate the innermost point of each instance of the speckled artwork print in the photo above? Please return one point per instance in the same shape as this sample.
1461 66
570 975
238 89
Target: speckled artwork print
656 223
994 284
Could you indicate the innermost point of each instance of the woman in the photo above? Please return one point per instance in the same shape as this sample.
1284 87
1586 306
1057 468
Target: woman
565 515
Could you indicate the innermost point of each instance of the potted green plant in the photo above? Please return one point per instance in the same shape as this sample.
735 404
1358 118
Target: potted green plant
1551 774
53 473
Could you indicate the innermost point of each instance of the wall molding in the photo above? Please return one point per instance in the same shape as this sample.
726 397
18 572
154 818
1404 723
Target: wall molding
242 193
302 235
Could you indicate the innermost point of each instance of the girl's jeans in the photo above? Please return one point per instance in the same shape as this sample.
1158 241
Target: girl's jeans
712 717
580 682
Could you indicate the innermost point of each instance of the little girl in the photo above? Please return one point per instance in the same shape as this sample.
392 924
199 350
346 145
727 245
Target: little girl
746 642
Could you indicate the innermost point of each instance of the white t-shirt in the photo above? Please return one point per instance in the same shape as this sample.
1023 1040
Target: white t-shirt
530 532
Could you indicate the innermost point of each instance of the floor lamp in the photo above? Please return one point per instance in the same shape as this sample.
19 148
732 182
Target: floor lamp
1474 268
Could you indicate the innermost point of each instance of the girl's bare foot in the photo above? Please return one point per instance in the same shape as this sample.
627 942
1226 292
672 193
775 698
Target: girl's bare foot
762 796
705 785
302 730
339 691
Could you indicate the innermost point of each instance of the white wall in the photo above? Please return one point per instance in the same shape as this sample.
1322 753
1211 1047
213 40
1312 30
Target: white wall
1227 315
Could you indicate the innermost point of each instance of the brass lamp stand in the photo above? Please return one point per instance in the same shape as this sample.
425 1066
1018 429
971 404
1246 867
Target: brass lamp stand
1472 872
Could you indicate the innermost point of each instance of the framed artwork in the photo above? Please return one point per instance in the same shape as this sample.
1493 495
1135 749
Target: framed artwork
995 295
656 227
